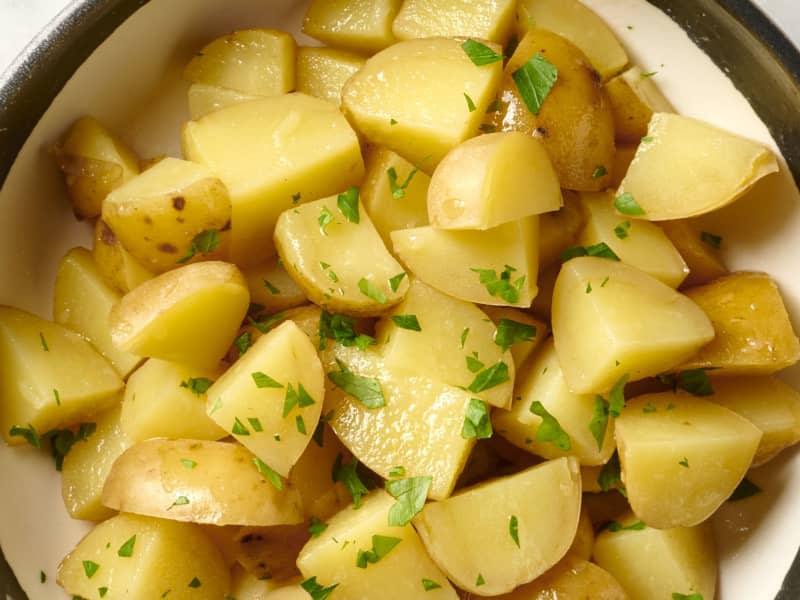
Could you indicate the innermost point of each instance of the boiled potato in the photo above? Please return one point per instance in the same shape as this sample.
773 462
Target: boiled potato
521 349
140 557
310 150
622 160
640 244
190 480
634 97
270 400
271 287
490 180
584 536
654 564
611 320
270 552
399 573
754 335
497 267
362 25
542 380
322 72
514 540
94 162
483 19
412 98
50 377
157 214
685 167
700 256
205 99
581 26
189 315
246 586
575 122
259 62
337 257
82 301
114 262
681 457
559 230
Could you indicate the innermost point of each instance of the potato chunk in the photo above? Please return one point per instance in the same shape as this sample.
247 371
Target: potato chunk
140 557
514 540
271 552
190 480
272 288
398 573
687 168
331 249
611 320
116 264
362 25
681 457
634 97
498 266
411 98
205 99
559 230
270 154
259 62
189 315
522 348
657 563
754 335
700 256
322 72
485 19
490 180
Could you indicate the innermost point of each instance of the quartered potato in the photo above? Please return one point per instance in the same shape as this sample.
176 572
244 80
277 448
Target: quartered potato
524 331
634 97
271 287
361 25
115 263
205 99
483 19
698 249
559 230
322 72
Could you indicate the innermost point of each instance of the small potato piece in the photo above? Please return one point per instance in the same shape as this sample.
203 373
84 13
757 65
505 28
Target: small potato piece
681 457
559 230
82 302
640 244
270 400
272 288
611 320
189 315
157 214
205 99
581 26
94 162
754 335
654 564
477 261
116 264
190 480
455 337
322 72
490 180
521 350
410 98
398 574
688 168
362 25
634 97
483 19
702 259
259 62
165 557
271 552
50 377
474 552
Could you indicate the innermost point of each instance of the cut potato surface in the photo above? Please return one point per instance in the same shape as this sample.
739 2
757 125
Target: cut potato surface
411 98
634 97
685 167
516 538
322 72
205 99
483 19
271 287
612 320
526 340
189 315
116 265
362 25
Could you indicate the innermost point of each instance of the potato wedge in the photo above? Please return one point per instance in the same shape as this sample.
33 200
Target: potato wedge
486 19
115 263
190 480
559 230
522 348
700 256
361 25
271 287
322 72
634 97
688 167
205 99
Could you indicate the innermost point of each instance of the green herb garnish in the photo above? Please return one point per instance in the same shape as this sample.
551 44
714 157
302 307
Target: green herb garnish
204 242
410 494
627 205
366 390
480 54
477 423
535 79
550 429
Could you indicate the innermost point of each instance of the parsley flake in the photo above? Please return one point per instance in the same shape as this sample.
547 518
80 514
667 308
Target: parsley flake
476 421
271 288
464 335
621 230
296 198
535 79
348 205
180 501
473 364
696 382
381 546
613 526
648 74
511 332
315 590
409 322
42 577
243 343
684 462
102 591
480 580
410 494
255 424
745 489
195 583
188 463
550 429
90 568
480 54
370 290
677 596
513 529
126 550
43 341
27 433
197 385
599 172
394 282
399 191
392 121
347 475
57 397
502 286
493 376
616 397
300 424
366 390
262 380
430 584
601 250
610 475
397 471
239 428
269 473
341 328
599 420
325 218
316 527
627 205
470 104
204 242
494 106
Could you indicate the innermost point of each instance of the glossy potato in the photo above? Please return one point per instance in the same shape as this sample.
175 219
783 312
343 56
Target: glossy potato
361 25
322 72
485 19
520 350
115 263
634 97
270 552
271 287
703 259
205 99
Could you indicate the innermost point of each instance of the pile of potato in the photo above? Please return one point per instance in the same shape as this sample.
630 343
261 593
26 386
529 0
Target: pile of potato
313 358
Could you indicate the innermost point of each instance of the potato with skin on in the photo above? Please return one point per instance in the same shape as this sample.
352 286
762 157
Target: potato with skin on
655 563
611 320
574 122
477 265
337 258
482 19
584 536
398 574
189 315
272 288
520 350
681 457
94 162
270 552
190 480
622 161
259 62
271 154
142 557
115 263
688 168
559 230
634 97
322 72
490 180
360 25
205 99
482 555
411 98
703 259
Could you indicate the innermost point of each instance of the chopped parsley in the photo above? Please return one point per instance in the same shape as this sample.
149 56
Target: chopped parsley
195 583
197 385
27 433
677 596
43 341
296 198
613 526
410 494
392 121
300 424
294 398
394 282
57 397
480 54
513 529
239 427
255 424
216 407
409 322
616 397
262 380
366 390
348 205
491 377
42 577
550 429
243 343
341 328
599 172
429 584
180 501
600 250
621 230
480 580
204 242
511 332
348 475
464 335
470 104
712 240
648 74
535 79
325 218
502 286
745 489
62 440
102 591
473 364
265 324
399 191
476 421
398 471
90 568
316 527
588 287
696 382
271 288
684 462
188 463
610 476
370 290
269 473
126 550
627 205
315 590
381 546
599 421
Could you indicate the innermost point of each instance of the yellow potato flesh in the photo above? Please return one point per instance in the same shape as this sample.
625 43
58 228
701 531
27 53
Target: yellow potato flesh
189 315
702 259
485 19
681 457
205 99
322 72
686 168
410 98
634 97
362 25
478 553
611 319
308 145
520 351
559 230
272 288
584 536
116 265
